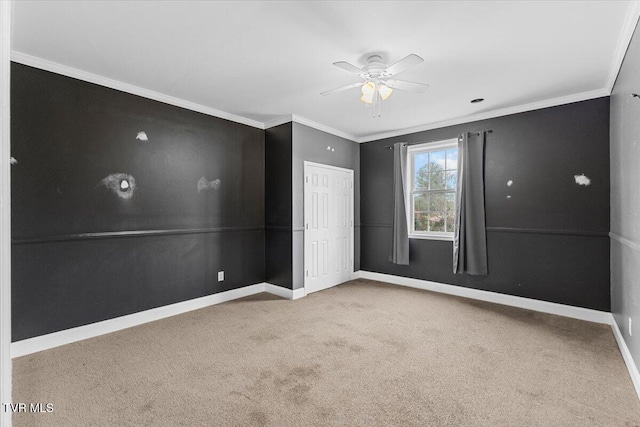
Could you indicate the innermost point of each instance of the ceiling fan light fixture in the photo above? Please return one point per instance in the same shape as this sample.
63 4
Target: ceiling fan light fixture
375 86
368 89
367 99
384 91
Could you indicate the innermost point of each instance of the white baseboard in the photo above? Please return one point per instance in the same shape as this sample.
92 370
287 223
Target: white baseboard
68 336
527 303
285 292
299 293
626 355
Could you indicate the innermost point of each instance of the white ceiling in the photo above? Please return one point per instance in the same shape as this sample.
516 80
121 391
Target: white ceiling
264 60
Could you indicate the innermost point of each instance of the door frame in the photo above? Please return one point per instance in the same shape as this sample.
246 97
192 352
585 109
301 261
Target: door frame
5 211
351 202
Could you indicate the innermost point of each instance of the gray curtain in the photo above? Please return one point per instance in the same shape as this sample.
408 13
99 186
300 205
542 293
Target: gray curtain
400 243
470 241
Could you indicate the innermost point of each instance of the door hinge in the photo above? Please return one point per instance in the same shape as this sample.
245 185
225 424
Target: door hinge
307 273
306 226
306 179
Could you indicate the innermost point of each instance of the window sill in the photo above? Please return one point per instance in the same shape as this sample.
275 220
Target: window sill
431 237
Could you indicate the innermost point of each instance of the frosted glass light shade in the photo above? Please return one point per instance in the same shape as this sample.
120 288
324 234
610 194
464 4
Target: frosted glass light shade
384 91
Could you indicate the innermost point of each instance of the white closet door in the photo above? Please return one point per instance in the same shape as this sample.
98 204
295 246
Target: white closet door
328 209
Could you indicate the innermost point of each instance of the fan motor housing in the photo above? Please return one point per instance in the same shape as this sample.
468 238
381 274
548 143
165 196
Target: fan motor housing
375 68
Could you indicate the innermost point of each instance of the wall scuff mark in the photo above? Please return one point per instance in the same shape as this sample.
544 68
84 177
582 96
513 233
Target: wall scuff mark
582 179
142 136
122 184
203 184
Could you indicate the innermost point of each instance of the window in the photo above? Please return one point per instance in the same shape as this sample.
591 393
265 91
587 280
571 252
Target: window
432 181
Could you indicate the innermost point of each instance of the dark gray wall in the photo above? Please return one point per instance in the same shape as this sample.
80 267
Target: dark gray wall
278 205
549 240
625 198
311 145
81 253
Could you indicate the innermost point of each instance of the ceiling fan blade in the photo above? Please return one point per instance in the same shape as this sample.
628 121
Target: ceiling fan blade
405 85
340 89
406 62
348 67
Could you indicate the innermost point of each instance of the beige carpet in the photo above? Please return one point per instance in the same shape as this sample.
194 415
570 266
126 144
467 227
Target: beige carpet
362 354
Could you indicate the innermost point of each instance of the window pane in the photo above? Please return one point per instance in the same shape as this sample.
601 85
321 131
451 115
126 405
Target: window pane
436 221
451 221
420 202
436 161
452 158
438 180
421 222
420 160
451 202
437 202
422 177
452 178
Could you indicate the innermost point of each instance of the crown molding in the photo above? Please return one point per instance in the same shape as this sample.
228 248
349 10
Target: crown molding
278 121
65 70
294 118
583 96
319 126
624 39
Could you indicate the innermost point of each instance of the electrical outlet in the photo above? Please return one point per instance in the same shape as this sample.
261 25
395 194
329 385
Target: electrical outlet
630 330
220 276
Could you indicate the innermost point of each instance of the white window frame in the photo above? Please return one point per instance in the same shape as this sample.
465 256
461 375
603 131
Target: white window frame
412 150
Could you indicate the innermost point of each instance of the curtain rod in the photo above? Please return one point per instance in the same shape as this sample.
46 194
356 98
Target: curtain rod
390 147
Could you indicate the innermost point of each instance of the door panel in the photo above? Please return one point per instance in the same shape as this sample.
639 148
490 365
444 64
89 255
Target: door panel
328 213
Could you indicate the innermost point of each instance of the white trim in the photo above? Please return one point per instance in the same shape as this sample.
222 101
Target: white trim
324 128
285 292
298 293
624 39
412 151
68 71
598 93
65 70
442 236
510 300
626 355
5 211
68 336
278 121
433 145
628 243
322 165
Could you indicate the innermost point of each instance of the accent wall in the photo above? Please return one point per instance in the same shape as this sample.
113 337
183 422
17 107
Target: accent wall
122 204
547 235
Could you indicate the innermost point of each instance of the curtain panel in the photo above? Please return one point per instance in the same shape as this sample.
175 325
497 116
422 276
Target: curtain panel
470 241
400 239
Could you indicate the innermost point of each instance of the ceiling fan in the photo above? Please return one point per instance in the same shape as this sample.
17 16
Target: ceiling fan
377 79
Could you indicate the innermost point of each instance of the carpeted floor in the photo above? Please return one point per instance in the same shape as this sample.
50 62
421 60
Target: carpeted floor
363 354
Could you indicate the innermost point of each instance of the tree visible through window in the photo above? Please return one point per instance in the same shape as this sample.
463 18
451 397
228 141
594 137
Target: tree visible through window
433 181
